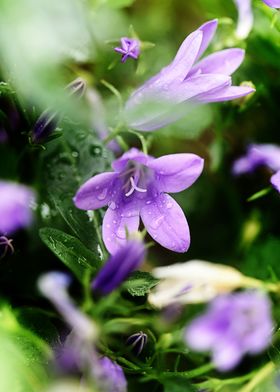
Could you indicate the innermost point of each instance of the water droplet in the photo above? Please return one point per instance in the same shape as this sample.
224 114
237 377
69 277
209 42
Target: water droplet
157 222
169 205
102 195
115 222
148 202
112 205
121 233
75 154
108 226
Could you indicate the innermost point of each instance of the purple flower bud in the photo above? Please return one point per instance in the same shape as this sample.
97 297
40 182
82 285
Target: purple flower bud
15 207
137 341
130 47
111 378
45 125
234 325
127 259
77 87
5 246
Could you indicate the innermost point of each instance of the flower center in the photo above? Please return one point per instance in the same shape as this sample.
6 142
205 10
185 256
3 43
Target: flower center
134 179
134 187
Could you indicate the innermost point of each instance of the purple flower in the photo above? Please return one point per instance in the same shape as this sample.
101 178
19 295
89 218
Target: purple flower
260 155
3 135
45 125
245 18
15 203
119 266
234 325
112 377
137 341
186 82
272 3
130 47
137 188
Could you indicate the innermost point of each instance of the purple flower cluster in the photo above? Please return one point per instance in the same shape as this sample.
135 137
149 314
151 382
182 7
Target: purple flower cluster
260 155
137 188
234 325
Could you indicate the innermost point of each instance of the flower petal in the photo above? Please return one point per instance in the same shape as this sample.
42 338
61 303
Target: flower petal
223 62
116 223
275 181
208 29
96 192
176 172
226 94
245 18
166 223
272 3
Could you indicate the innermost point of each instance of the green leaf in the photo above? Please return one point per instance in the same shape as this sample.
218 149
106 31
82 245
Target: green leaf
140 283
119 3
177 384
80 260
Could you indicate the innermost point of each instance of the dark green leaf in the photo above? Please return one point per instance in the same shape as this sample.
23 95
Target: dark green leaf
71 252
140 283
177 384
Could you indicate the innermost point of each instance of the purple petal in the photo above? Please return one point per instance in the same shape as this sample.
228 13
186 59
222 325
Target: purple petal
226 94
245 18
119 266
166 223
208 29
177 172
227 356
272 3
224 62
199 336
275 181
116 223
96 192
131 155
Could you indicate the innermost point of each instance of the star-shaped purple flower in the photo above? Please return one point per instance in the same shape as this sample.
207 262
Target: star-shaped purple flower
186 82
234 325
137 188
260 155
130 47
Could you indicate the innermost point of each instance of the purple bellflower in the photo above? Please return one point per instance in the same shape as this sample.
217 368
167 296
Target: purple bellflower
137 341
186 82
245 18
15 207
260 155
130 47
234 325
112 378
127 259
137 188
272 3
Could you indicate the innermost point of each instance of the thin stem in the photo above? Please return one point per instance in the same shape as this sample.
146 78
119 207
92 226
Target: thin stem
261 375
142 140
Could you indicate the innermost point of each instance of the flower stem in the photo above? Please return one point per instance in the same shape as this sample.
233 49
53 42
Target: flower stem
261 375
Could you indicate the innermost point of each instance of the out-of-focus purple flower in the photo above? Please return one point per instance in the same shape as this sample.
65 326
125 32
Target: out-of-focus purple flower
260 155
186 82
245 18
130 47
5 246
272 3
54 285
233 326
112 378
3 136
15 206
137 341
127 259
137 188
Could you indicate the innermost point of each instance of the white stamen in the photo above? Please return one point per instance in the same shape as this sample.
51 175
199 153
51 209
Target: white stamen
134 187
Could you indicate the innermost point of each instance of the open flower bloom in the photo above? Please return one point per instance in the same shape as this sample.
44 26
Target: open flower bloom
272 3
130 47
194 281
245 18
260 155
15 206
186 82
234 325
119 266
137 188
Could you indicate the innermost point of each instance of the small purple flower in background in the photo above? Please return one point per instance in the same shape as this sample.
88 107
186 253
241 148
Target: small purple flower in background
245 18
234 325
165 97
137 341
130 47
111 376
15 207
260 155
127 259
3 136
272 3
137 188
5 246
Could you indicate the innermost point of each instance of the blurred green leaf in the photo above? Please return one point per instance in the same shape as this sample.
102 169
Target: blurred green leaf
119 3
177 384
71 252
140 283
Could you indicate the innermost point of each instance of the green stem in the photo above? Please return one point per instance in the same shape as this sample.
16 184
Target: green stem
261 375
142 140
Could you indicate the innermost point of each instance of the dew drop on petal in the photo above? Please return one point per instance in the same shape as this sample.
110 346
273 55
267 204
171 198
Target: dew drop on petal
112 205
121 233
169 205
102 195
157 222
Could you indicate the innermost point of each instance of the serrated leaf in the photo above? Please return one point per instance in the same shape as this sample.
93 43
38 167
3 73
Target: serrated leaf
140 283
80 260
